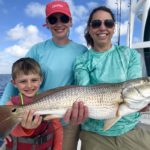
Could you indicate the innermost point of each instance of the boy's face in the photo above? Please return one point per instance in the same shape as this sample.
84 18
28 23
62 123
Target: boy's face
28 85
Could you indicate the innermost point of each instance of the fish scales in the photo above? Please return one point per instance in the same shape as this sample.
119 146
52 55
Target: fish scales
92 96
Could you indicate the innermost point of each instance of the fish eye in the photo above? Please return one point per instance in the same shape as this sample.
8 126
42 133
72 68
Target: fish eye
14 110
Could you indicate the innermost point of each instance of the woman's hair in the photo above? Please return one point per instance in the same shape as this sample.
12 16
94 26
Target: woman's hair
87 36
26 66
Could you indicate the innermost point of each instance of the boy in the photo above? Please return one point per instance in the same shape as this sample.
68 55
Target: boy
32 132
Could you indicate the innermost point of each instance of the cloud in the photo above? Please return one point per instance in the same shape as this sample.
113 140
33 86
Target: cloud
79 12
17 32
123 28
35 9
80 31
16 50
92 5
122 32
25 37
6 62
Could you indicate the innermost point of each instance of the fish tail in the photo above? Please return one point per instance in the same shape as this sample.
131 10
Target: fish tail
9 117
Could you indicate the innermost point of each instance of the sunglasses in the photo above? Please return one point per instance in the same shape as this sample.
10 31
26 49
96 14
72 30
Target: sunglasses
53 19
109 23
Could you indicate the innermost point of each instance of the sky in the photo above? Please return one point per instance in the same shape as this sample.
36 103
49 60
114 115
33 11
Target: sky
21 25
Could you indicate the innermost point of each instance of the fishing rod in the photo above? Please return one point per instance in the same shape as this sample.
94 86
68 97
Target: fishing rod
119 22
117 19
118 3
129 28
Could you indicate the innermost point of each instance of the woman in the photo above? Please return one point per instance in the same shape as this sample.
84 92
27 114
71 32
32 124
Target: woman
108 63
56 57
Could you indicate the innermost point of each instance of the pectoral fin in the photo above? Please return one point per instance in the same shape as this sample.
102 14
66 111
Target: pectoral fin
50 117
110 122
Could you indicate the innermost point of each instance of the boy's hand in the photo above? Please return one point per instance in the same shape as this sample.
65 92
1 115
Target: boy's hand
31 121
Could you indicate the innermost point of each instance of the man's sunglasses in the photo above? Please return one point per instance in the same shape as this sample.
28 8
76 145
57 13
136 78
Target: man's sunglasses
109 23
53 19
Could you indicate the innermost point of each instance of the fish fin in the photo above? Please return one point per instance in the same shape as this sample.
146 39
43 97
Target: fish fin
53 112
8 120
125 110
110 122
50 117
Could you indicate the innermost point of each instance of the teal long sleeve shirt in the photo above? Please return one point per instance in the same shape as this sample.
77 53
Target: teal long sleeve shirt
115 65
56 63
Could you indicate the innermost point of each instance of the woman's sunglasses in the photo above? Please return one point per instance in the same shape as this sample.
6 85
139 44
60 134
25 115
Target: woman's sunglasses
109 23
53 19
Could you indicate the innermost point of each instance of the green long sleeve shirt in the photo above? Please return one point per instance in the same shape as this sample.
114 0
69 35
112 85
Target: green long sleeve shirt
115 65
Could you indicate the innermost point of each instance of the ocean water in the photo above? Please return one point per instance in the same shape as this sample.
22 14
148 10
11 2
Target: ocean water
4 79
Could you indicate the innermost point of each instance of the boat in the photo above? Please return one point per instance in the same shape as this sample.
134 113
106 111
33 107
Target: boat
141 9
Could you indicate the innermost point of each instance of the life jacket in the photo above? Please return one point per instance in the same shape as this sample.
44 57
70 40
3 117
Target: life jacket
42 138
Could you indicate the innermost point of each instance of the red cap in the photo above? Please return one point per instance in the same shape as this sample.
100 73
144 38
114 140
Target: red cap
57 7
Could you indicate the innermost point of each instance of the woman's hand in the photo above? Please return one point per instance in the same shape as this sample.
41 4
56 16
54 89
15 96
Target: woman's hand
77 114
145 109
31 121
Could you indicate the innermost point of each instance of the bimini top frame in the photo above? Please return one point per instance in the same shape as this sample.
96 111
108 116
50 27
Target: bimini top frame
136 6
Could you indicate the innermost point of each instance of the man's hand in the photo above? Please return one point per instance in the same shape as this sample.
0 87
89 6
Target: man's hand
31 121
77 114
